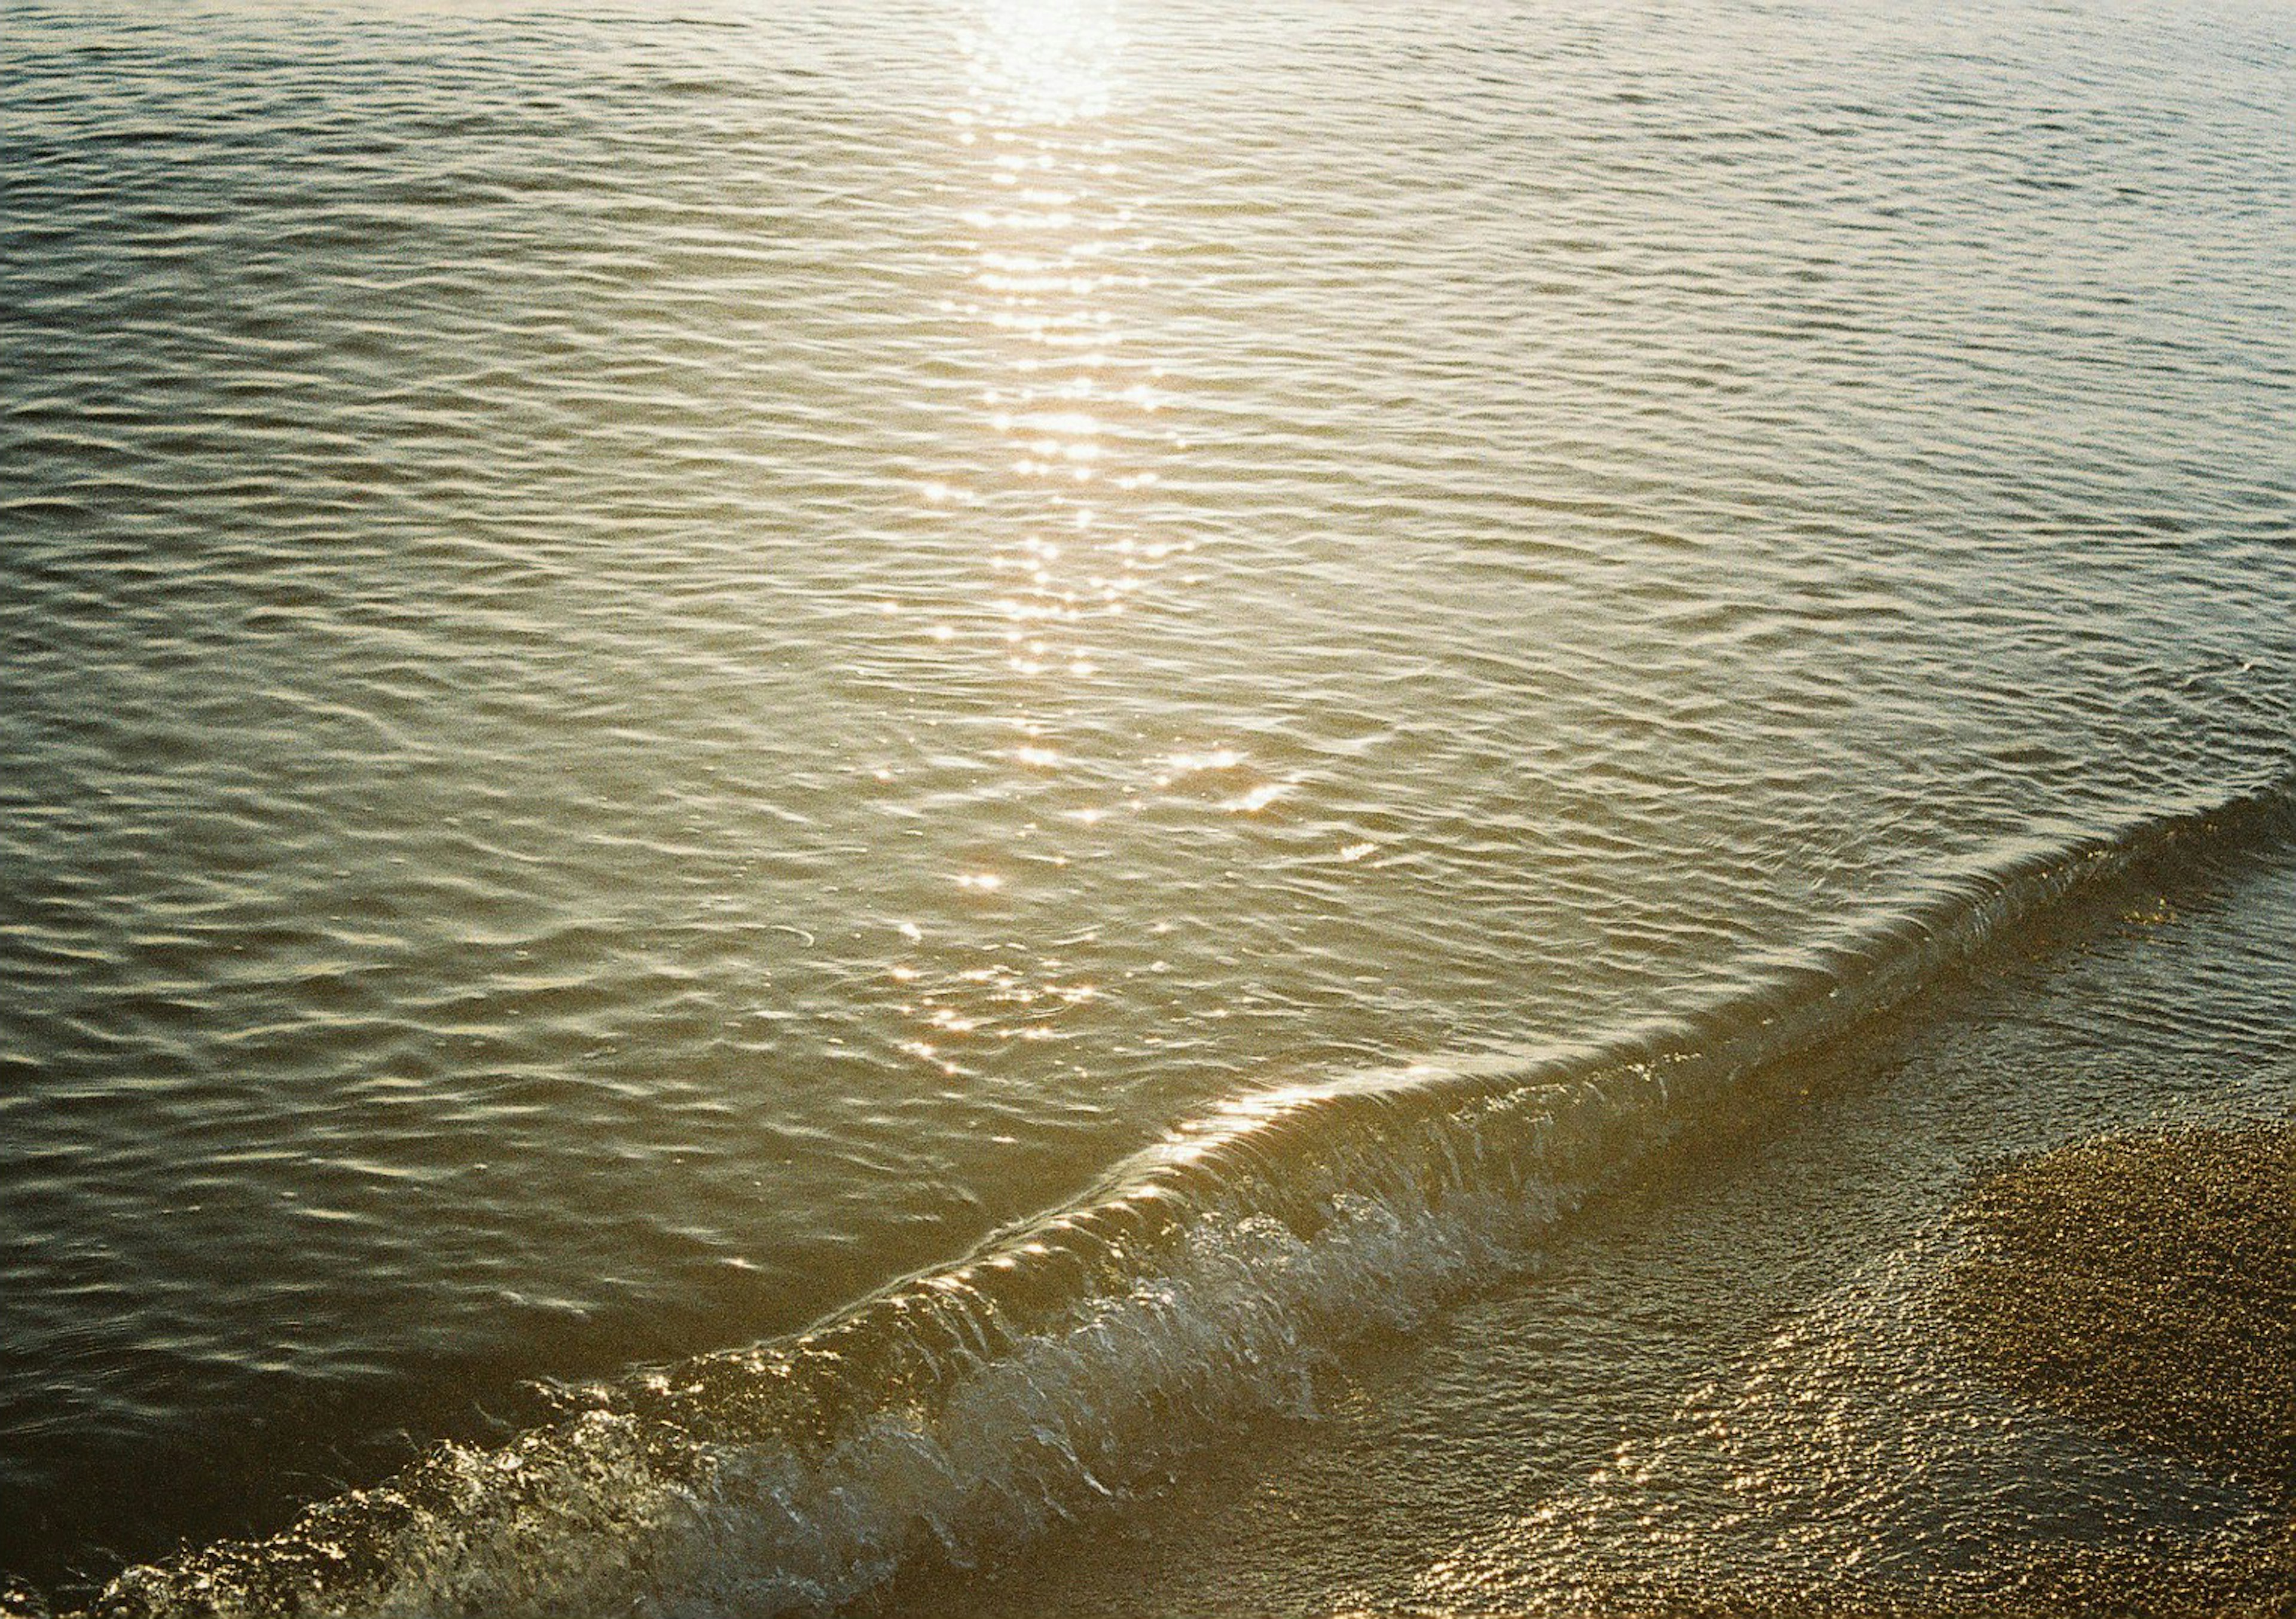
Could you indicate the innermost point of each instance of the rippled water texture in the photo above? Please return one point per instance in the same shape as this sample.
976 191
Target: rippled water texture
661 664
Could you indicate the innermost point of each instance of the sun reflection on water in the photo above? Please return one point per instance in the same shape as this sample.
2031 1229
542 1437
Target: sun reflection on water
1054 244
1049 251
1035 62
1058 485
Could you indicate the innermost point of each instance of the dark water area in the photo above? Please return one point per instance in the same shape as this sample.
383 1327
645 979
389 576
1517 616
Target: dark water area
830 777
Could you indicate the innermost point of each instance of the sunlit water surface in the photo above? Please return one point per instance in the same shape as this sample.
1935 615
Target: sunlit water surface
663 664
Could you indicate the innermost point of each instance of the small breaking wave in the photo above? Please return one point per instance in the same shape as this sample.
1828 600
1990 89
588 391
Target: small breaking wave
964 1409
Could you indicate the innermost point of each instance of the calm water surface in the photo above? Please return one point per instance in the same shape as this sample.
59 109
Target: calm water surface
662 665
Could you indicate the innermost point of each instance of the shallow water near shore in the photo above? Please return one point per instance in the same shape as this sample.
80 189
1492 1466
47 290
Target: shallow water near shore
1731 1385
847 778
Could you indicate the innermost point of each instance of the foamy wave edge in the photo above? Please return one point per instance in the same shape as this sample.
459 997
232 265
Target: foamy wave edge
963 1410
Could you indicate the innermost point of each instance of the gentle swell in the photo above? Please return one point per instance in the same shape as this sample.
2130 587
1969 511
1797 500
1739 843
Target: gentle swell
965 1409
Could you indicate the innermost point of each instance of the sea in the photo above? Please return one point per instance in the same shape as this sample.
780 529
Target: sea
1114 807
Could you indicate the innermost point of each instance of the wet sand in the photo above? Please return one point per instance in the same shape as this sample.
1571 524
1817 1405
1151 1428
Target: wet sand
2145 1285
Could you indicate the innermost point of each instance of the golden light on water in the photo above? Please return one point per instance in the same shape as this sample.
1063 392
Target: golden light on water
1042 61
666 668
1057 488
1051 253
1045 246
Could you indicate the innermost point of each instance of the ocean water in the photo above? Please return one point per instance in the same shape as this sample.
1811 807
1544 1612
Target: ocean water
1110 806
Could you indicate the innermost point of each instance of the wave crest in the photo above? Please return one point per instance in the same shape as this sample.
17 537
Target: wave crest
964 1409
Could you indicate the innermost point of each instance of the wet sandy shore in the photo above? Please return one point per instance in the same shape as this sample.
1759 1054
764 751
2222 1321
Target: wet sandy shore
2146 1284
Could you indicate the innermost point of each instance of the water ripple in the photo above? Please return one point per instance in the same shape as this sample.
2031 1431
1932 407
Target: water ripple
653 673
